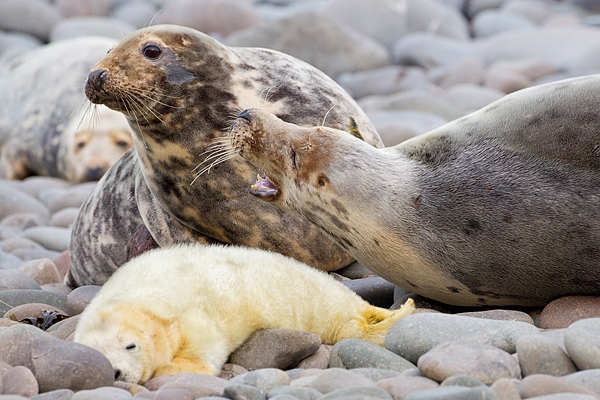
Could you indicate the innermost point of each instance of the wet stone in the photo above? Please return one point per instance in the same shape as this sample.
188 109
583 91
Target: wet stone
275 348
356 353
478 360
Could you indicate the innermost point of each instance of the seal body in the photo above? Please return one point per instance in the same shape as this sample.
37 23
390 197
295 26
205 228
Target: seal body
180 90
186 308
500 207
41 130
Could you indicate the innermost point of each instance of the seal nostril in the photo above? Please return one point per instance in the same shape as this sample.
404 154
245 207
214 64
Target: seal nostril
118 374
96 78
245 115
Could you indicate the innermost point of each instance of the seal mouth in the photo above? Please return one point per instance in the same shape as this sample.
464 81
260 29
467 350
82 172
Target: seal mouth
264 188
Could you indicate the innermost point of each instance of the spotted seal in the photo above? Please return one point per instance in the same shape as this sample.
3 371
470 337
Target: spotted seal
186 308
180 90
41 130
500 207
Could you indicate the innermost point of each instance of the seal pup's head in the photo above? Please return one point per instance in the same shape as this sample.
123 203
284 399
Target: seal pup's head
134 341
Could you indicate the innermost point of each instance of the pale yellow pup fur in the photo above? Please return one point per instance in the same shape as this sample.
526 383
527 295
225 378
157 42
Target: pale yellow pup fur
186 308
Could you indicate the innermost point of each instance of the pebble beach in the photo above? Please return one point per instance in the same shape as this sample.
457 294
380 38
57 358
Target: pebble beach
412 65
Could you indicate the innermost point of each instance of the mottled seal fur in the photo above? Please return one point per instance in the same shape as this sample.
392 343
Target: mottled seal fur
186 308
41 132
501 207
180 90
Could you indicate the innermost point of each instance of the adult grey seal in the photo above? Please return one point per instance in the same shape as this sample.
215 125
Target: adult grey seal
500 207
42 127
180 90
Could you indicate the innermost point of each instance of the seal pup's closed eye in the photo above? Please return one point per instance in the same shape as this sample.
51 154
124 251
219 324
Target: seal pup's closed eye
187 307
501 207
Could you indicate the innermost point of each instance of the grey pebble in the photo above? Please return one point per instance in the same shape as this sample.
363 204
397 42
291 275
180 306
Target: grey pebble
416 334
24 220
80 297
582 340
35 254
302 393
51 237
375 290
19 380
264 379
90 26
65 217
500 315
58 198
13 200
589 379
198 384
29 16
12 279
454 393
564 396
479 360
539 355
355 271
399 387
8 261
541 385
16 344
462 380
102 393
13 298
64 328
284 396
275 348
320 359
168 394
333 379
376 374
238 391
362 392
356 353
62 364
60 394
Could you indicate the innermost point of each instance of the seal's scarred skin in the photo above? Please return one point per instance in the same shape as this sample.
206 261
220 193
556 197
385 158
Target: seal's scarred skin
501 207
186 308
180 90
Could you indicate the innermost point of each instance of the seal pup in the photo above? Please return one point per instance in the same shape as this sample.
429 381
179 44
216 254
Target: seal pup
41 132
187 307
180 91
500 207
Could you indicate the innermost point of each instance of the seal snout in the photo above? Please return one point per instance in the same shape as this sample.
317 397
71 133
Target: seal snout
245 115
94 84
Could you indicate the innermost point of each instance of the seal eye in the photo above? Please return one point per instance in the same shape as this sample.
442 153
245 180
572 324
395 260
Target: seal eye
152 51
130 347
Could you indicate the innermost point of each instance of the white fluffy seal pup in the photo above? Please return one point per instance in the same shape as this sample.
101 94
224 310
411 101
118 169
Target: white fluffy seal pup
186 308
500 207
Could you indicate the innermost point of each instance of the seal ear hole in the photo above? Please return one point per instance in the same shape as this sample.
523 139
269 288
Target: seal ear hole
152 51
130 347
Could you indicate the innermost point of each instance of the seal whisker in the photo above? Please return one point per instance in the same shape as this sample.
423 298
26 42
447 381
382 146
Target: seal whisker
216 162
141 106
218 153
125 102
326 114
147 96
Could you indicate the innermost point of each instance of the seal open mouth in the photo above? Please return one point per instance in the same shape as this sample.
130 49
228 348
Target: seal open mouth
264 188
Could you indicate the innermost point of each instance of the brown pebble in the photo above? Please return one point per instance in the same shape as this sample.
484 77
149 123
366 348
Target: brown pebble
65 328
42 270
79 298
319 360
562 312
57 288
189 381
166 394
401 386
230 371
63 263
31 310
19 380
132 388
506 390
539 385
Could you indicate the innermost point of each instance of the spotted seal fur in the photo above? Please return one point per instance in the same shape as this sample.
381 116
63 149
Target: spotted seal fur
187 307
500 207
180 89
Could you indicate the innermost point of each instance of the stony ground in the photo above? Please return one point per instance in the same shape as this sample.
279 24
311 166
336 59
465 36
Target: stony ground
412 65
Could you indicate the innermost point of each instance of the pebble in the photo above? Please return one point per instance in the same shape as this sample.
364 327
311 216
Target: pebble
64 217
19 380
582 340
376 290
198 384
42 270
8 261
264 379
358 393
539 355
102 393
52 238
80 297
319 360
60 394
462 380
589 379
356 353
478 360
305 393
333 379
14 279
90 26
500 315
31 310
401 386
539 385
275 348
563 311
13 200
238 391
416 334
13 298
34 17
